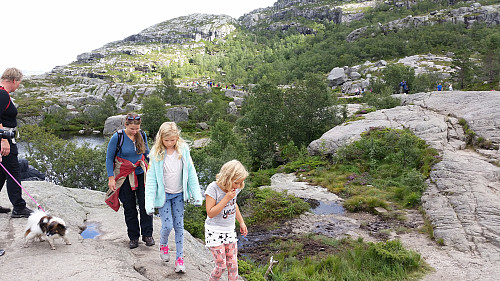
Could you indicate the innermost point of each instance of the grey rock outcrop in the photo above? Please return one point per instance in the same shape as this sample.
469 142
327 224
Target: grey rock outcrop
337 76
178 114
462 200
469 16
113 124
277 17
281 182
106 257
194 27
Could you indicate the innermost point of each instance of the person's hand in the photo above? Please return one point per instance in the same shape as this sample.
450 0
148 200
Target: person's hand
243 229
112 183
5 150
198 203
230 194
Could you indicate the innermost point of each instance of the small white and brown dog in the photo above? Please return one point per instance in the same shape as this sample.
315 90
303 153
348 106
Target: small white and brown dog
45 227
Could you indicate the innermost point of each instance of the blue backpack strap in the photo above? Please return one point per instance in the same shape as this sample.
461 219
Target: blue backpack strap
119 142
143 134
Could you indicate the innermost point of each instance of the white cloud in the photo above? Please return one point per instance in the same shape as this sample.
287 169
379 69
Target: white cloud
38 35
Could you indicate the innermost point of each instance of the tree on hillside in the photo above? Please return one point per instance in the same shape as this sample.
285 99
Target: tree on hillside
263 124
464 68
167 89
491 59
224 146
154 114
272 118
395 73
309 110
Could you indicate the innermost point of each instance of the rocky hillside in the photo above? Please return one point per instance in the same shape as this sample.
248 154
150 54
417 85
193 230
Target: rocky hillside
299 14
130 69
462 199
475 14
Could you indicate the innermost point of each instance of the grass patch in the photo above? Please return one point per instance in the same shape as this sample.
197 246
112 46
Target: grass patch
386 168
268 207
346 259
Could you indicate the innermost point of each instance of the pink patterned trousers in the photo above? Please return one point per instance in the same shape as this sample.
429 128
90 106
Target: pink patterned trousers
226 256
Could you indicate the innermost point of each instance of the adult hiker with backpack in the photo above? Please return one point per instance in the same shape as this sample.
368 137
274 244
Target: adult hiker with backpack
10 81
126 166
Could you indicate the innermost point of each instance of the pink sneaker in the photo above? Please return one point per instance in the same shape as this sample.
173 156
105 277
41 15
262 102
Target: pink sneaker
179 266
164 253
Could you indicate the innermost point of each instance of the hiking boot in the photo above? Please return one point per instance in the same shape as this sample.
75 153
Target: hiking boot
179 266
4 210
133 244
164 253
149 240
21 213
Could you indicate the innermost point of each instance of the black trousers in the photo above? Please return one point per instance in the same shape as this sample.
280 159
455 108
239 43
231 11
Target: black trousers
11 163
130 199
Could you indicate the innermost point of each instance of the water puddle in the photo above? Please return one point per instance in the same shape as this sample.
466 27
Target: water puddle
325 208
91 232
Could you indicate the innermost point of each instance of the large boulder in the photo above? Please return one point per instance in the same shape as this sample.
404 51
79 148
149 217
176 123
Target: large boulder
178 114
336 77
113 124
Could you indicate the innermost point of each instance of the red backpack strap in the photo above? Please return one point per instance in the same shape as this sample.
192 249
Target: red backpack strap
2 88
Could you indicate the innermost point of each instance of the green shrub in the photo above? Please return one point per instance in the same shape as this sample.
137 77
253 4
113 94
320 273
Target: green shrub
352 260
64 163
384 165
250 271
194 220
269 206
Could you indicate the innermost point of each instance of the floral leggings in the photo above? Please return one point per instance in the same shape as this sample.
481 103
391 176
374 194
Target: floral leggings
226 256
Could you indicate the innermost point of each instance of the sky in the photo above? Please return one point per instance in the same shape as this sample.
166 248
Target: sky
39 35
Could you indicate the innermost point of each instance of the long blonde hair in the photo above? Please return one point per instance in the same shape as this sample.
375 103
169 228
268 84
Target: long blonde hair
167 129
131 119
231 171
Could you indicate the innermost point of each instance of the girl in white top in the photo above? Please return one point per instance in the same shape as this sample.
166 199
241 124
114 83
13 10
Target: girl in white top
171 180
222 210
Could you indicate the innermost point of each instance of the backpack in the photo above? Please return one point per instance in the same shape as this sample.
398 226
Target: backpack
120 140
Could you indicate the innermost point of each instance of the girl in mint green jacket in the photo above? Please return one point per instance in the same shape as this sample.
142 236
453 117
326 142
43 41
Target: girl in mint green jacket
170 181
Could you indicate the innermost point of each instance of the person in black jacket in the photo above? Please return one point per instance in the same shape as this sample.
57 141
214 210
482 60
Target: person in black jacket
10 81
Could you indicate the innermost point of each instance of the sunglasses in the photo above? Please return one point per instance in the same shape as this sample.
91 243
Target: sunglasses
134 117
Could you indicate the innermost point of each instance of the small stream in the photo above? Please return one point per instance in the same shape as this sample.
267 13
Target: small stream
330 227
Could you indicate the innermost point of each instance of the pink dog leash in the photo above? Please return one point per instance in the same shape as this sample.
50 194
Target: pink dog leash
38 205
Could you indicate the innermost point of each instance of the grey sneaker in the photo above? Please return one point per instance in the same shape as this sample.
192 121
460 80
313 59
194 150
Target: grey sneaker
179 266
164 253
